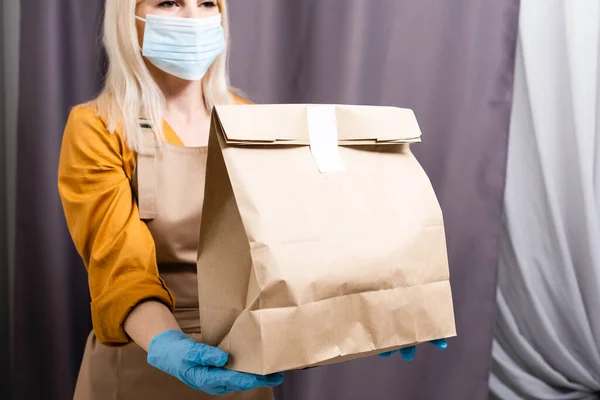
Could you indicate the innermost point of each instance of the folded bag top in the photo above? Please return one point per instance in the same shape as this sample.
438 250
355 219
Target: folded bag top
289 124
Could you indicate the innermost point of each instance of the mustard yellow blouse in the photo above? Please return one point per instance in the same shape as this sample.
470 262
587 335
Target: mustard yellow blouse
94 183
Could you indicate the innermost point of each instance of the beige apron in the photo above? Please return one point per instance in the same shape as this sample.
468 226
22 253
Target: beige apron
169 185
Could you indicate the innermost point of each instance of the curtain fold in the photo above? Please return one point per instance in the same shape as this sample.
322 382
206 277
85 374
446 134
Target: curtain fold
4 268
453 63
9 73
548 330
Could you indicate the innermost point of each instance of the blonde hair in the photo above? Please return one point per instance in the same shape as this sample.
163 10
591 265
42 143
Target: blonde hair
129 91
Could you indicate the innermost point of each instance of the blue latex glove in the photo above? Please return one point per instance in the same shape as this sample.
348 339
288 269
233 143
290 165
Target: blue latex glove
201 366
408 353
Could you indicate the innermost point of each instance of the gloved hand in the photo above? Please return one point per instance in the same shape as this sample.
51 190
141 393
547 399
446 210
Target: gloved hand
201 366
408 353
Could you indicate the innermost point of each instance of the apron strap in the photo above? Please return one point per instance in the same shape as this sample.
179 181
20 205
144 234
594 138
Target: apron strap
146 173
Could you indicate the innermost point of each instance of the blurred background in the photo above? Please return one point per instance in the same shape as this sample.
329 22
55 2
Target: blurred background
507 96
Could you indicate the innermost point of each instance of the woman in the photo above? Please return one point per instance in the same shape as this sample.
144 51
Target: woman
131 185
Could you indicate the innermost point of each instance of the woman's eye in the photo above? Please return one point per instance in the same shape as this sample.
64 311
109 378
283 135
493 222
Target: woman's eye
167 4
209 4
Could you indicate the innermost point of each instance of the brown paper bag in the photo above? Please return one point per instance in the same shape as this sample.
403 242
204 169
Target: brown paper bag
322 239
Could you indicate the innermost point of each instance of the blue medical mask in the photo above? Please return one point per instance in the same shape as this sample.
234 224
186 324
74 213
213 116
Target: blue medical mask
183 47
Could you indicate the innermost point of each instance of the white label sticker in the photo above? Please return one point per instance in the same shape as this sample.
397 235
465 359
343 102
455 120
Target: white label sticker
323 134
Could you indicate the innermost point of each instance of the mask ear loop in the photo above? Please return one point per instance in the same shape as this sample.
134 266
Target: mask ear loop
145 23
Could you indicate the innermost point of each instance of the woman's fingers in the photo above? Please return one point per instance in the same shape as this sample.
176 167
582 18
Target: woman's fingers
440 344
408 353
206 356
240 381
272 380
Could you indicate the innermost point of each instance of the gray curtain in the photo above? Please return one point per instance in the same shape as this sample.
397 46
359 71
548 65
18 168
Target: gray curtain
60 64
548 327
9 50
451 61
4 280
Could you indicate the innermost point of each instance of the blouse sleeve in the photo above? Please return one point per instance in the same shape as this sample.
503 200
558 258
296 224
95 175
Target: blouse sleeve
103 219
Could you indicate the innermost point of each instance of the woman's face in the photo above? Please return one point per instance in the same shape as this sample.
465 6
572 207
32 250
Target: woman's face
175 8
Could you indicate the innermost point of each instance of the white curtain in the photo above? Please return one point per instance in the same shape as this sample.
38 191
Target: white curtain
547 343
